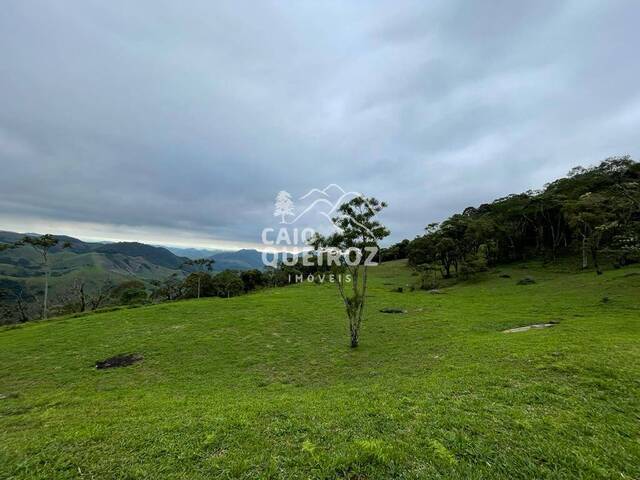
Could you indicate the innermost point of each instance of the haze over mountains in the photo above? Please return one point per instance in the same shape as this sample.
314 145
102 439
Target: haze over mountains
97 263
192 253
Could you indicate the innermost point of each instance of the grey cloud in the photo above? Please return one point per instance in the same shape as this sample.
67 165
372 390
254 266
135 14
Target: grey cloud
193 116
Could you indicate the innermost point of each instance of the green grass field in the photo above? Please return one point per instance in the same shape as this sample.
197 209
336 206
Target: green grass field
265 386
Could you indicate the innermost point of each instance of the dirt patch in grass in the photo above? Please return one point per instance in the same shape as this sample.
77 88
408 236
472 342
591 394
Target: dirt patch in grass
121 360
393 310
4 396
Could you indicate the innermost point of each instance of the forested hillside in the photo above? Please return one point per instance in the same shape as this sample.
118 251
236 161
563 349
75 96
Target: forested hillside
87 276
591 215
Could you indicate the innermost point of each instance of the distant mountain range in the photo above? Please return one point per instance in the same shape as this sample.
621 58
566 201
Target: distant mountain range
96 263
192 253
167 257
246 259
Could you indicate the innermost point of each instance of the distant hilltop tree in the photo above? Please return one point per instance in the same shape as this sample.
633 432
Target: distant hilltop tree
43 245
201 265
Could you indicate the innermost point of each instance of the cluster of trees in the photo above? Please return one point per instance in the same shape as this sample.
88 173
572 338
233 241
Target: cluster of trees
203 283
20 304
43 246
591 212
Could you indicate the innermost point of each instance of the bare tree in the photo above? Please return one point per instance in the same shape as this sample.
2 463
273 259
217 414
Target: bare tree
19 303
79 290
101 295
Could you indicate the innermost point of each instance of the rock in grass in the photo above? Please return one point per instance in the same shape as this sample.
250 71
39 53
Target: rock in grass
529 327
526 281
393 310
121 360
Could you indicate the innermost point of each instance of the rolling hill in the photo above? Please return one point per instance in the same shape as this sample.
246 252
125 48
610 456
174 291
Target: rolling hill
155 255
97 264
265 386
193 253
245 259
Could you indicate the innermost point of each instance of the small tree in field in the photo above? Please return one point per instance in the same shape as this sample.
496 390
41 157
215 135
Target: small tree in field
228 283
358 238
202 265
42 245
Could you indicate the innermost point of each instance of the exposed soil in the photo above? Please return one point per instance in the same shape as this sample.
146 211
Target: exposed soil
121 360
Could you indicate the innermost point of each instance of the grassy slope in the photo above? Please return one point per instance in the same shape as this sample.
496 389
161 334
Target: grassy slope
265 386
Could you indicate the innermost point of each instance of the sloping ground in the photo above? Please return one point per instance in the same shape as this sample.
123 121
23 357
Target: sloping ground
24 267
264 385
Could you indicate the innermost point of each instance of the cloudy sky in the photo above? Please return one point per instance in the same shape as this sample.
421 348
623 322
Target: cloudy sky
179 122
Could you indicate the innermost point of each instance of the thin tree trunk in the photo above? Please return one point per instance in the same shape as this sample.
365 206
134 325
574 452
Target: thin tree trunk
585 260
46 293
198 286
83 302
594 256
354 334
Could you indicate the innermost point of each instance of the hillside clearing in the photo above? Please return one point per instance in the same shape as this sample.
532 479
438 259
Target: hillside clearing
265 386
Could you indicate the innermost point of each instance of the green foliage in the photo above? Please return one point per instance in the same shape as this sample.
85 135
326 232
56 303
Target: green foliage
591 211
252 279
130 292
198 284
359 231
42 243
201 264
228 284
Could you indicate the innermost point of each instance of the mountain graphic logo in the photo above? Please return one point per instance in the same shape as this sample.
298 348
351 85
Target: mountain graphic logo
325 202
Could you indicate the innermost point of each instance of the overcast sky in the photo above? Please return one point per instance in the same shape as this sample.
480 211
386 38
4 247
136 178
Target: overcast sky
179 122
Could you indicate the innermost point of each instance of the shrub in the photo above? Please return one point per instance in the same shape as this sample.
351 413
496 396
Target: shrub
428 281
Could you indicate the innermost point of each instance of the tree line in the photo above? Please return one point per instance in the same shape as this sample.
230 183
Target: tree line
591 213
19 304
